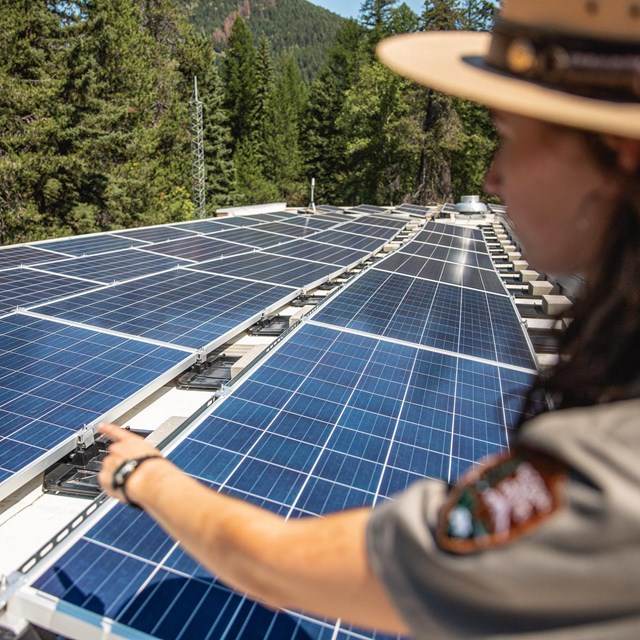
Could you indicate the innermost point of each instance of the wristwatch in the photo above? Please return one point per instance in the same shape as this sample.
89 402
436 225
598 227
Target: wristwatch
123 473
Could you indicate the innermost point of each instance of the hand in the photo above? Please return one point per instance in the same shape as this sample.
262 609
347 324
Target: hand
124 446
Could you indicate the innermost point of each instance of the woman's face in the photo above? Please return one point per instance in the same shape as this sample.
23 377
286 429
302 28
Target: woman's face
559 201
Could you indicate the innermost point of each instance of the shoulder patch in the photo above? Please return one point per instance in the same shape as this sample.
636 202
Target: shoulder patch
498 502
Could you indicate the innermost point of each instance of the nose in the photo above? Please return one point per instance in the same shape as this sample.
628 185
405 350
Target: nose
492 179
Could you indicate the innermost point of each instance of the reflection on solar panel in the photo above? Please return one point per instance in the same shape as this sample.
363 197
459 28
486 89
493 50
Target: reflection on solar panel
453 230
238 221
327 208
383 221
457 256
178 307
395 379
116 266
89 245
292 230
318 222
25 287
447 240
55 378
368 230
265 267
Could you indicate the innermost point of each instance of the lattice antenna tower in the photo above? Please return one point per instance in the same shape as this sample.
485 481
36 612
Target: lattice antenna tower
198 176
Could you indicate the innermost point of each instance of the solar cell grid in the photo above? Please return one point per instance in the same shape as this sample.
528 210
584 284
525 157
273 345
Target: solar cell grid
368 230
317 222
321 252
198 248
447 240
155 234
90 245
286 229
265 267
354 420
116 266
178 307
447 254
383 221
350 240
22 255
253 237
25 287
204 226
454 230
55 378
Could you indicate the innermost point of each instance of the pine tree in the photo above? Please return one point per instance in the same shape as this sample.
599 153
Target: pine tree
239 81
376 16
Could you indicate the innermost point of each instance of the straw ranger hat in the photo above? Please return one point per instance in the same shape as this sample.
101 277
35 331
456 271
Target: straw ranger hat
571 62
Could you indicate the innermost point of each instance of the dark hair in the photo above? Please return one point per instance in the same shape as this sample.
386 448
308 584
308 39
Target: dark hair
599 352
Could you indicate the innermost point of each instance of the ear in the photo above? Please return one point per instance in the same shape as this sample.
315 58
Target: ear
627 150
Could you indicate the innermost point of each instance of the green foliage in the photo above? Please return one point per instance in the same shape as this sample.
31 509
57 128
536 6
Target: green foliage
291 26
94 113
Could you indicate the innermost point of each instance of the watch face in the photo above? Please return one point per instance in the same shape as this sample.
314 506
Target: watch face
122 473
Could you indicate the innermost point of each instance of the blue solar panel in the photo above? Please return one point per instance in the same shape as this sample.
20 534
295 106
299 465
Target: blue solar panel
447 254
198 248
368 230
318 222
459 274
351 240
266 267
382 221
179 307
254 237
204 226
25 287
394 379
448 240
22 255
286 229
55 378
321 252
454 230
116 266
155 234
89 245
331 420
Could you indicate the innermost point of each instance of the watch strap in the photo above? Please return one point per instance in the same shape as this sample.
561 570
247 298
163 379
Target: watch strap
122 474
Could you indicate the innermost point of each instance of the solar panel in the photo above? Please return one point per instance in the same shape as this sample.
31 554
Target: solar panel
446 240
367 208
92 244
55 378
238 221
447 254
24 287
415 209
273 216
327 208
155 234
180 307
198 248
317 222
321 252
383 221
454 230
394 379
459 274
205 226
373 231
351 240
286 229
116 266
22 255
253 237
331 420
265 267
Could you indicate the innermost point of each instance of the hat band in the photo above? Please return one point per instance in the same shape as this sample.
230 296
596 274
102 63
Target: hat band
586 67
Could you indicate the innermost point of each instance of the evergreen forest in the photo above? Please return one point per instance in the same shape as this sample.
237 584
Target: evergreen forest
96 97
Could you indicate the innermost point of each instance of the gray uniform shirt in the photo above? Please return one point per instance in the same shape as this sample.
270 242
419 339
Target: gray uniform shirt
570 570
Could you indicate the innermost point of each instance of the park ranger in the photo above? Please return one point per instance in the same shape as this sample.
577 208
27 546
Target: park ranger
544 541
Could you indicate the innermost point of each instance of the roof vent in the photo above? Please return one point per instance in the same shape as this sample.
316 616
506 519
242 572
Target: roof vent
471 205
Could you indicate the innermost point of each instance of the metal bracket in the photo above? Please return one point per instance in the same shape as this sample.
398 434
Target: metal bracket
85 438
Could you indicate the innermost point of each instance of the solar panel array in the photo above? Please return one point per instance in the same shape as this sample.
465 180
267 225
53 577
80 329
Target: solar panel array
170 289
397 377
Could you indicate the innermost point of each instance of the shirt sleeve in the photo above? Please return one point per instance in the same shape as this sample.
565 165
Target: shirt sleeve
562 578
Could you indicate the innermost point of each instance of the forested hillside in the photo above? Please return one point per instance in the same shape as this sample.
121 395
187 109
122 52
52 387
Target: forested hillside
291 26
94 117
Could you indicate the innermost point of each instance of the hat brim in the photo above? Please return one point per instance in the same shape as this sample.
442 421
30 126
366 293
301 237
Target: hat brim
453 62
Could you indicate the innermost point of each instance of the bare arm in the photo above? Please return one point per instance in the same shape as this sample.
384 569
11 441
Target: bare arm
318 565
